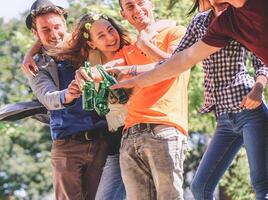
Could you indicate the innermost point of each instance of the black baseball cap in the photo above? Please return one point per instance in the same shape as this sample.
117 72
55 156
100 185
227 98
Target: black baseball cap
37 5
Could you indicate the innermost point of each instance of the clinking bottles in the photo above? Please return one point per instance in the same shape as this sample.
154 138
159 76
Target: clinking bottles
120 93
99 100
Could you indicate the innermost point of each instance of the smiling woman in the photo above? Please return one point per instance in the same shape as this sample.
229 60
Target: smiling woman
95 38
105 38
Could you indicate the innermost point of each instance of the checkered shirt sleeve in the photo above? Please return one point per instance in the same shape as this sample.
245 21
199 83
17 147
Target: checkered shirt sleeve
259 66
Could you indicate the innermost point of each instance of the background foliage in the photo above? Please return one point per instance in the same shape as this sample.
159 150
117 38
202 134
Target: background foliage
25 171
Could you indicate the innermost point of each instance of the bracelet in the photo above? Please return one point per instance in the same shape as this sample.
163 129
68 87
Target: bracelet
133 71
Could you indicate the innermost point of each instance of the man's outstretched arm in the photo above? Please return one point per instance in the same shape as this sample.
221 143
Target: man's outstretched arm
178 63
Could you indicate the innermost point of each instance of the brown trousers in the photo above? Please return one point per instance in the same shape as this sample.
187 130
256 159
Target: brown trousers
77 168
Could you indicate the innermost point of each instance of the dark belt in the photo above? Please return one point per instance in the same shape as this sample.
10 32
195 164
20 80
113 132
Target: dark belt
86 136
141 127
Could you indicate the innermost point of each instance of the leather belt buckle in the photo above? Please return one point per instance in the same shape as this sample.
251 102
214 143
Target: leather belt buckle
143 127
140 128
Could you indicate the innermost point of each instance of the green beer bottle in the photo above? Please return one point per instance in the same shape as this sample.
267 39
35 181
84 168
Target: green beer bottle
120 93
101 100
88 91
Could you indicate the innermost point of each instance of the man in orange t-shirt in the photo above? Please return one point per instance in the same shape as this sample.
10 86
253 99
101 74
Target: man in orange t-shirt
153 144
154 140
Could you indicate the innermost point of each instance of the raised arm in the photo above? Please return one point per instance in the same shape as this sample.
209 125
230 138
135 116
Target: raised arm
146 40
128 71
28 65
161 25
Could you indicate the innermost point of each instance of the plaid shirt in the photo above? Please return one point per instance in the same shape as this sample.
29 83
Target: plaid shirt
226 78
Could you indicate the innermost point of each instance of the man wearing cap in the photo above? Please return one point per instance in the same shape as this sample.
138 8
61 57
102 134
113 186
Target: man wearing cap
78 150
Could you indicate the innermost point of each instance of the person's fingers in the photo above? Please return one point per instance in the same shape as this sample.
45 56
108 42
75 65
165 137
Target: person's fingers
154 38
85 75
112 70
29 66
123 84
34 66
113 63
109 68
257 104
117 70
78 76
116 86
74 82
252 105
123 76
81 84
74 85
80 81
120 77
247 103
95 75
32 71
242 104
28 70
74 95
119 61
74 91
82 74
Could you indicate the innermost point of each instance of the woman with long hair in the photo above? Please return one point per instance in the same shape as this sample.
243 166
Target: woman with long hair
83 46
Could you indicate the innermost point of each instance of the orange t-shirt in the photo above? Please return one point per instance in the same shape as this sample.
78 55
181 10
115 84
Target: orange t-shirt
162 103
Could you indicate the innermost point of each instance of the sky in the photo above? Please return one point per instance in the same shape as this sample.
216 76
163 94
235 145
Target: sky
14 8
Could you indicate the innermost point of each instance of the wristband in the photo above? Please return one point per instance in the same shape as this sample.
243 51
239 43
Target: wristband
133 71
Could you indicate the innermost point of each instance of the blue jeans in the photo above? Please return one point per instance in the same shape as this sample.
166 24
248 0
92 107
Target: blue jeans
151 160
248 128
111 185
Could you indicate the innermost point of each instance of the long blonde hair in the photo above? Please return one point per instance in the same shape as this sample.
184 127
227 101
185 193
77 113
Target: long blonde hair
77 50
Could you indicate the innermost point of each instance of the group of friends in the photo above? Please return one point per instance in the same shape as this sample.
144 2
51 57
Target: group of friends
137 150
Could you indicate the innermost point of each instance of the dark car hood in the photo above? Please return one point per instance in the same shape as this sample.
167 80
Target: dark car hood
17 111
